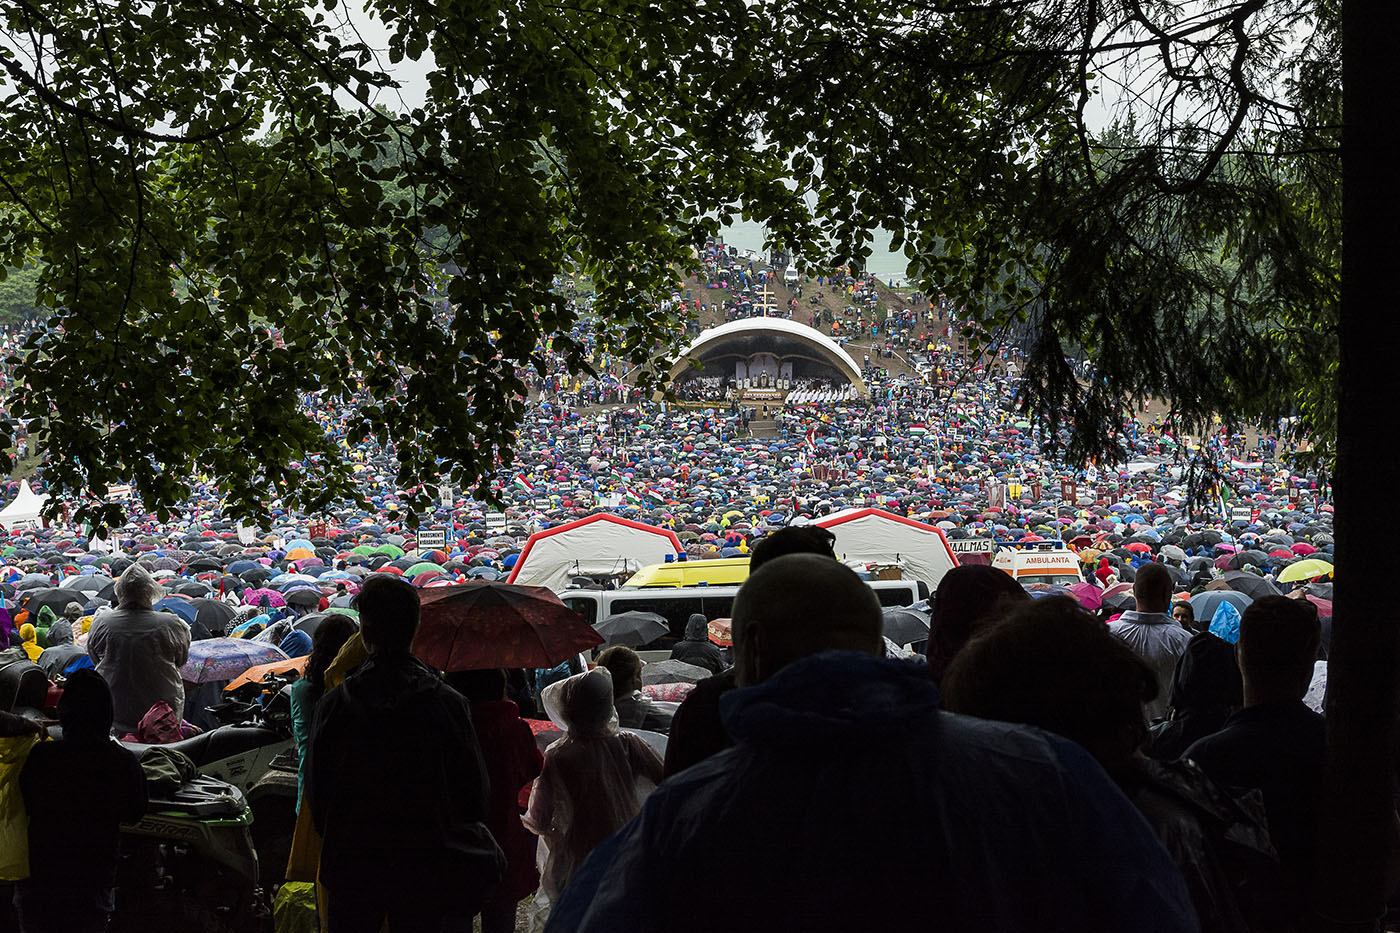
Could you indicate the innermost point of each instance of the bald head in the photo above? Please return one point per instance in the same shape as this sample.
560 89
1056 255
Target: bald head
798 605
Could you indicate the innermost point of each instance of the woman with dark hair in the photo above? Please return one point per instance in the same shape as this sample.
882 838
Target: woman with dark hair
331 635
966 596
1052 665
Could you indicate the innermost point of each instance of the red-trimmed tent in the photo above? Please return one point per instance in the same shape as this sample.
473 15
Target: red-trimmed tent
874 535
598 544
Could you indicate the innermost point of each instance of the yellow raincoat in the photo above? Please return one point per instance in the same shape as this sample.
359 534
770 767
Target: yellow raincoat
14 822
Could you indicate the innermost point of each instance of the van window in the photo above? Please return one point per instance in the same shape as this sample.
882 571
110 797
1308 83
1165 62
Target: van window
675 610
894 596
1054 579
588 608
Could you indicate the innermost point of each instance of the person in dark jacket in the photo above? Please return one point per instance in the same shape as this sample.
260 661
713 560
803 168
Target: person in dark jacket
696 729
77 793
695 648
1275 744
809 817
512 761
1206 690
396 782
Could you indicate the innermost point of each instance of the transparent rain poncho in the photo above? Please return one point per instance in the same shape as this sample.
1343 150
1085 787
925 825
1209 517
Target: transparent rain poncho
593 781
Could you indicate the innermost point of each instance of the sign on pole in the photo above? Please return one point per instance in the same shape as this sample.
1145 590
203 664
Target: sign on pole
431 539
972 545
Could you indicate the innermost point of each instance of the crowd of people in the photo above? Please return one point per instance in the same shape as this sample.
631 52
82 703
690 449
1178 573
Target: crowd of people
1142 752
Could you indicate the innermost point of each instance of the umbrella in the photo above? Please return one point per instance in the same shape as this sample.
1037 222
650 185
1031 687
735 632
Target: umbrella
213 614
488 624
304 596
257 672
673 672
1203 605
225 658
1089 596
180 607
632 628
56 598
905 626
720 632
1304 570
1120 602
1256 587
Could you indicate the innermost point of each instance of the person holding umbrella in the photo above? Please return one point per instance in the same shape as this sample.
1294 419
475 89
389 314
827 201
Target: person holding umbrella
395 777
139 651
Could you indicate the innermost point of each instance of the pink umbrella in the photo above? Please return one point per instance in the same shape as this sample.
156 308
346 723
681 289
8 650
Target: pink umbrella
1089 596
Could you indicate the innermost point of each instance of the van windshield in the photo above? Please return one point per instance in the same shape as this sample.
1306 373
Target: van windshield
1054 579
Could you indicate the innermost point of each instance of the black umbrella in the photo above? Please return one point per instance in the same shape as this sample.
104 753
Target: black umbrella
1320 590
304 596
633 628
1252 585
673 672
55 597
1120 602
213 614
905 626
189 588
309 622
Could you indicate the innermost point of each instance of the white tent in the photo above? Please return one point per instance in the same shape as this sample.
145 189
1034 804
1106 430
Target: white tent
24 511
599 544
874 535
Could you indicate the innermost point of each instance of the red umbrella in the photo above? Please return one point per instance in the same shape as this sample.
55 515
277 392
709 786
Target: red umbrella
488 624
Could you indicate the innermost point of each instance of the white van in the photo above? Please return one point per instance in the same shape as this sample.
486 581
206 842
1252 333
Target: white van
676 604
790 276
1046 562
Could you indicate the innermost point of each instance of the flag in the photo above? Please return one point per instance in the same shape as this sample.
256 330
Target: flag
520 482
631 498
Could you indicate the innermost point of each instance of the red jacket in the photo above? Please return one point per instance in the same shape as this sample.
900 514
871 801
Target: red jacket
512 761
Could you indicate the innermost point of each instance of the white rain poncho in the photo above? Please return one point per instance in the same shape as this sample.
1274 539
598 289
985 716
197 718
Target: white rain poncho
593 781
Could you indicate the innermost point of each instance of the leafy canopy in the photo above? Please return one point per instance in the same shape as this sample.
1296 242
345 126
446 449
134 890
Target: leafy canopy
192 178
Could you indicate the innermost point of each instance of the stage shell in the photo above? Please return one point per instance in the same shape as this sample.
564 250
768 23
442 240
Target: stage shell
770 335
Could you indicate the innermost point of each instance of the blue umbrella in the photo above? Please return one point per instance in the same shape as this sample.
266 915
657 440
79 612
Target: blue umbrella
180 607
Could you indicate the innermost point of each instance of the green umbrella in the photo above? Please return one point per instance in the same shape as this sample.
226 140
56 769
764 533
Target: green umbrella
393 550
423 566
364 549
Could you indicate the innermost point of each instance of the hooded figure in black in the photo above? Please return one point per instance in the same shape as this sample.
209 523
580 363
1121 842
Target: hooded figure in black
696 648
1206 689
77 793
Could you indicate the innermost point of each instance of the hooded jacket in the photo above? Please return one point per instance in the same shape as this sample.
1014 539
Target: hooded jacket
1206 689
397 785
847 784
696 648
62 656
